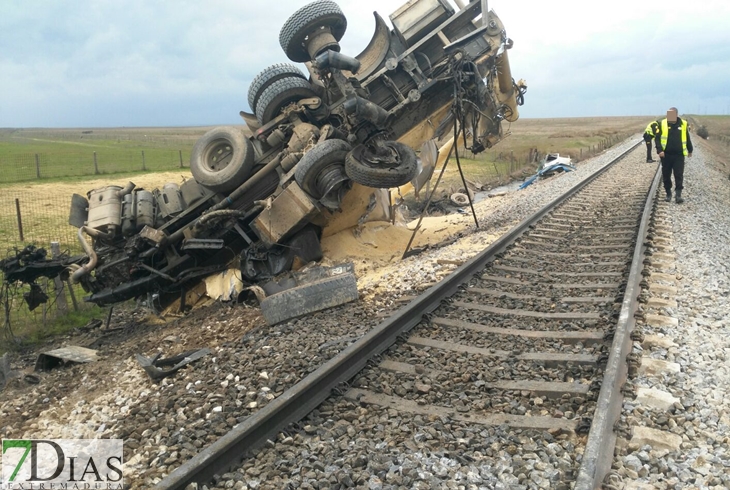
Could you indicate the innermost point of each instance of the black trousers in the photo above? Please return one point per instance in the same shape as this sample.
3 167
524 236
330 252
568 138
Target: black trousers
648 150
673 164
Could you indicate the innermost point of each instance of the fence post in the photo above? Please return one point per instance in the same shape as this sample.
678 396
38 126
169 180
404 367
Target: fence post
37 166
143 162
179 152
20 219
96 166
61 303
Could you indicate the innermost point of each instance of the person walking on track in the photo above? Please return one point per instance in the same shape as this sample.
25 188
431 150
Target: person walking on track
673 144
649 134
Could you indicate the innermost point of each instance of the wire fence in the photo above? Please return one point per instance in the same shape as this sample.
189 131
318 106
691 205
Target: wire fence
35 217
39 219
31 166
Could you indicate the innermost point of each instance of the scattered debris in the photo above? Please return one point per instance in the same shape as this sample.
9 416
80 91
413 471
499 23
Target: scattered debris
224 286
460 199
91 325
152 365
51 359
552 164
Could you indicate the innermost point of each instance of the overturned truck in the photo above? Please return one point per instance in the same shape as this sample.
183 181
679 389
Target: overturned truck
261 194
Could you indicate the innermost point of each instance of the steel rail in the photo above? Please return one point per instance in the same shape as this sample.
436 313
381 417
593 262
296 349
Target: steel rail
598 454
296 402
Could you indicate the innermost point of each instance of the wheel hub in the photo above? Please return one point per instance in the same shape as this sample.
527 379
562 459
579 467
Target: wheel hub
377 156
219 155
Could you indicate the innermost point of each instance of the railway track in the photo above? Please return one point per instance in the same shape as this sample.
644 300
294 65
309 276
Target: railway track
529 337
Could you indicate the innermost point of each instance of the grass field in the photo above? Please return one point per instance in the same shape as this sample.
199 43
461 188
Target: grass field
53 154
718 128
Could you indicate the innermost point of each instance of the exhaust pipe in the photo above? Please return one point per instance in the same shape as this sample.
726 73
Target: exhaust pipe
126 189
366 110
93 259
333 59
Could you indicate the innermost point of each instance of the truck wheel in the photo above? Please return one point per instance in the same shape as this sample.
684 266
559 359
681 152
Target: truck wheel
392 164
297 29
280 94
222 159
308 298
268 76
322 168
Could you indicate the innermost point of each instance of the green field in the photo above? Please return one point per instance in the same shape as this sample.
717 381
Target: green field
54 154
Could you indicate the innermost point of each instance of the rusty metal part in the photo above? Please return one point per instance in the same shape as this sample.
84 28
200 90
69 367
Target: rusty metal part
377 49
89 250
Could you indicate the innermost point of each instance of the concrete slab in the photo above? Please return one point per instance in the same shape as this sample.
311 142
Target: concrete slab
659 341
657 439
653 398
663 257
661 277
661 303
656 288
661 321
651 366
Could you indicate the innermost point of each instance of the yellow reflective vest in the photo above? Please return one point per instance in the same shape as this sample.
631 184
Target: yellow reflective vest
665 135
652 129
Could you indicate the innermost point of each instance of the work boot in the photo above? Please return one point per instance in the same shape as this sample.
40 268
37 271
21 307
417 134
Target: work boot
669 196
650 160
679 197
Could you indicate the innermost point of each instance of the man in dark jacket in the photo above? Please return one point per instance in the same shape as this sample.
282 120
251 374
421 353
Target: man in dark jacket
673 143
652 129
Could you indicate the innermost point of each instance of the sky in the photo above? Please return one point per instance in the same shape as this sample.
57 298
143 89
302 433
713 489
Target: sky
114 63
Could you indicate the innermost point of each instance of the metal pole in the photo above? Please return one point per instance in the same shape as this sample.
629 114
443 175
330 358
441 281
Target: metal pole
61 303
20 219
72 294
485 11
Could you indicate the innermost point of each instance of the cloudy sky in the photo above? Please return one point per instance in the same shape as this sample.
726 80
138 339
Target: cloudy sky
81 63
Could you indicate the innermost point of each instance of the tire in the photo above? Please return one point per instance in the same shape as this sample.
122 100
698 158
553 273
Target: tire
222 159
308 298
362 170
326 154
459 199
268 76
294 32
280 94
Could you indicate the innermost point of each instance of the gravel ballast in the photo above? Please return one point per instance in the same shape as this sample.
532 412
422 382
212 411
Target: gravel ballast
693 339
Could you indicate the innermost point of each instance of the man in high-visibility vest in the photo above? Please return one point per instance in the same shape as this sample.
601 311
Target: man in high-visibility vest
649 134
673 143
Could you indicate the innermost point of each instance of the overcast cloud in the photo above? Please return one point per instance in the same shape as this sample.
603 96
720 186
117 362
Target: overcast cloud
182 63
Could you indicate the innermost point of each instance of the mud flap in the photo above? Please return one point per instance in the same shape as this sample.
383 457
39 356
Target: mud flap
308 298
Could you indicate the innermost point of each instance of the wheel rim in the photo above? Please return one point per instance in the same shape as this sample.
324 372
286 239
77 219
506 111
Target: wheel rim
218 155
382 156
